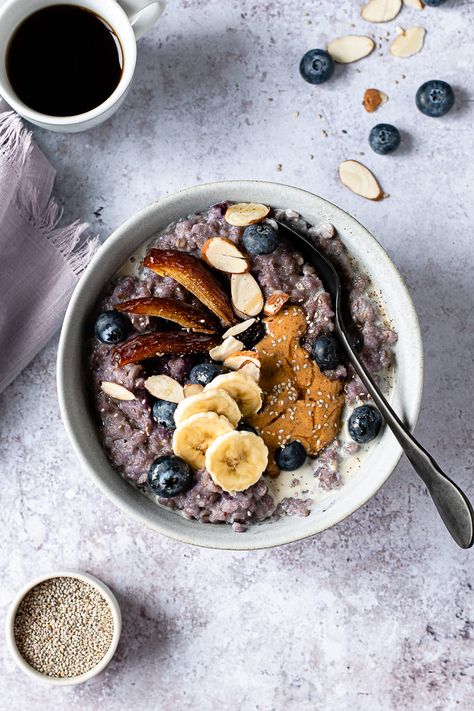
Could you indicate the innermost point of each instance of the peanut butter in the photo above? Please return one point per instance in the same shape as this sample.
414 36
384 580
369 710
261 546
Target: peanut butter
300 402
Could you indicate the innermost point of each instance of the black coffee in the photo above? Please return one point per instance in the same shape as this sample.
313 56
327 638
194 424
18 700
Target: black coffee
64 60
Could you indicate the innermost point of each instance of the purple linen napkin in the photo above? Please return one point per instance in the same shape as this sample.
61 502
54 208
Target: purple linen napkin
40 262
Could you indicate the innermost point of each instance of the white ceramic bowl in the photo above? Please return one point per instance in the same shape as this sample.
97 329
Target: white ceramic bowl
382 455
106 593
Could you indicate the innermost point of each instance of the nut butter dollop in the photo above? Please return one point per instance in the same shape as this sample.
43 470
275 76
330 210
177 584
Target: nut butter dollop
300 402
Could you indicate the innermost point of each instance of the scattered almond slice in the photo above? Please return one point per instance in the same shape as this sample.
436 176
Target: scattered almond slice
225 349
236 360
275 302
373 98
239 327
360 180
419 4
243 214
350 48
164 388
408 42
192 389
118 392
381 10
247 297
250 368
224 255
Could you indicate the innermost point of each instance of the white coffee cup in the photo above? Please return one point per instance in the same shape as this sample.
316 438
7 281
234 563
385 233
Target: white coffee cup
128 18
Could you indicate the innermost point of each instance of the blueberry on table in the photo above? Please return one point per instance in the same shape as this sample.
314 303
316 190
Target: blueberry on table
163 413
260 239
112 327
434 3
434 98
317 66
203 373
290 457
384 138
169 476
326 351
364 424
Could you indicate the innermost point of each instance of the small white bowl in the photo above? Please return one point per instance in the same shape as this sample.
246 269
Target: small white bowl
372 467
111 600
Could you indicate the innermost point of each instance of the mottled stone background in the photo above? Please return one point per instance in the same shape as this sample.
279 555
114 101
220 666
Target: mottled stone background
378 612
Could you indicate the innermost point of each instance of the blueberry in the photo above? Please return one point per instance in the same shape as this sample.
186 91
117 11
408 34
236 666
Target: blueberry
434 3
326 351
169 476
434 98
252 335
260 239
112 327
203 373
316 66
290 457
247 428
384 138
364 423
163 413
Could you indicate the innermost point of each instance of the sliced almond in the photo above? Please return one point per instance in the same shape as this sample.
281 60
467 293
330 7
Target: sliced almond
350 48
360 180
225 349
243 214
239 328
274 303
247 297
236 360
224 255
192 389
164 388
381 10
250 368
117 391
408 42
373 98
419 4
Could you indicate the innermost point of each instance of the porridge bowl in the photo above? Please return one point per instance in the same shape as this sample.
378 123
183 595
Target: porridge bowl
197 367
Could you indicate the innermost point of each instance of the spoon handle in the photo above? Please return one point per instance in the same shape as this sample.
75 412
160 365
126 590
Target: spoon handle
452 504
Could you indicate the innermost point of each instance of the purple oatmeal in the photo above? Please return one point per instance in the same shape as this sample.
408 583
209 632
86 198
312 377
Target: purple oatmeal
135 437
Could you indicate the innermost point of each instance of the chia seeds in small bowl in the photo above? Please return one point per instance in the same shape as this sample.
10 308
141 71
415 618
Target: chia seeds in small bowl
64 628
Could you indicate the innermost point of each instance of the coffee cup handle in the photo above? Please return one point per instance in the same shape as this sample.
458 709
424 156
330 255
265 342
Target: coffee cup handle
142 13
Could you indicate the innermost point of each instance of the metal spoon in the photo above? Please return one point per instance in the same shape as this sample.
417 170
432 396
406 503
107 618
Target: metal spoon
452 504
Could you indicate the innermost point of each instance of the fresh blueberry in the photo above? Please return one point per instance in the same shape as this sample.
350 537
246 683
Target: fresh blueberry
290 457
169 476
326 351
163 413
384 138
252 335
112 327
317 66
434 3
203 373
434 98
364 423
260 239
247 428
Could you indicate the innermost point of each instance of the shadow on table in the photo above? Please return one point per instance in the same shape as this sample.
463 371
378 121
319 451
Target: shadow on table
145 635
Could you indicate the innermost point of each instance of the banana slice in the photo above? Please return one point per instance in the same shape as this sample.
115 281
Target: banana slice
236 460
192 438
242 388
216 400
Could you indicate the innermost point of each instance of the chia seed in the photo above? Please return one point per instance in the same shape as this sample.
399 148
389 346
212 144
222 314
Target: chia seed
63 627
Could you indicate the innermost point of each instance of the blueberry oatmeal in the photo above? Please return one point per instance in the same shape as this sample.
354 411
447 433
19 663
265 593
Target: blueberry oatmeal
216 375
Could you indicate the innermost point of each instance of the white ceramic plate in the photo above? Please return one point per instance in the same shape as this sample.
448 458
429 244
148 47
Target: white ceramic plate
379 459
